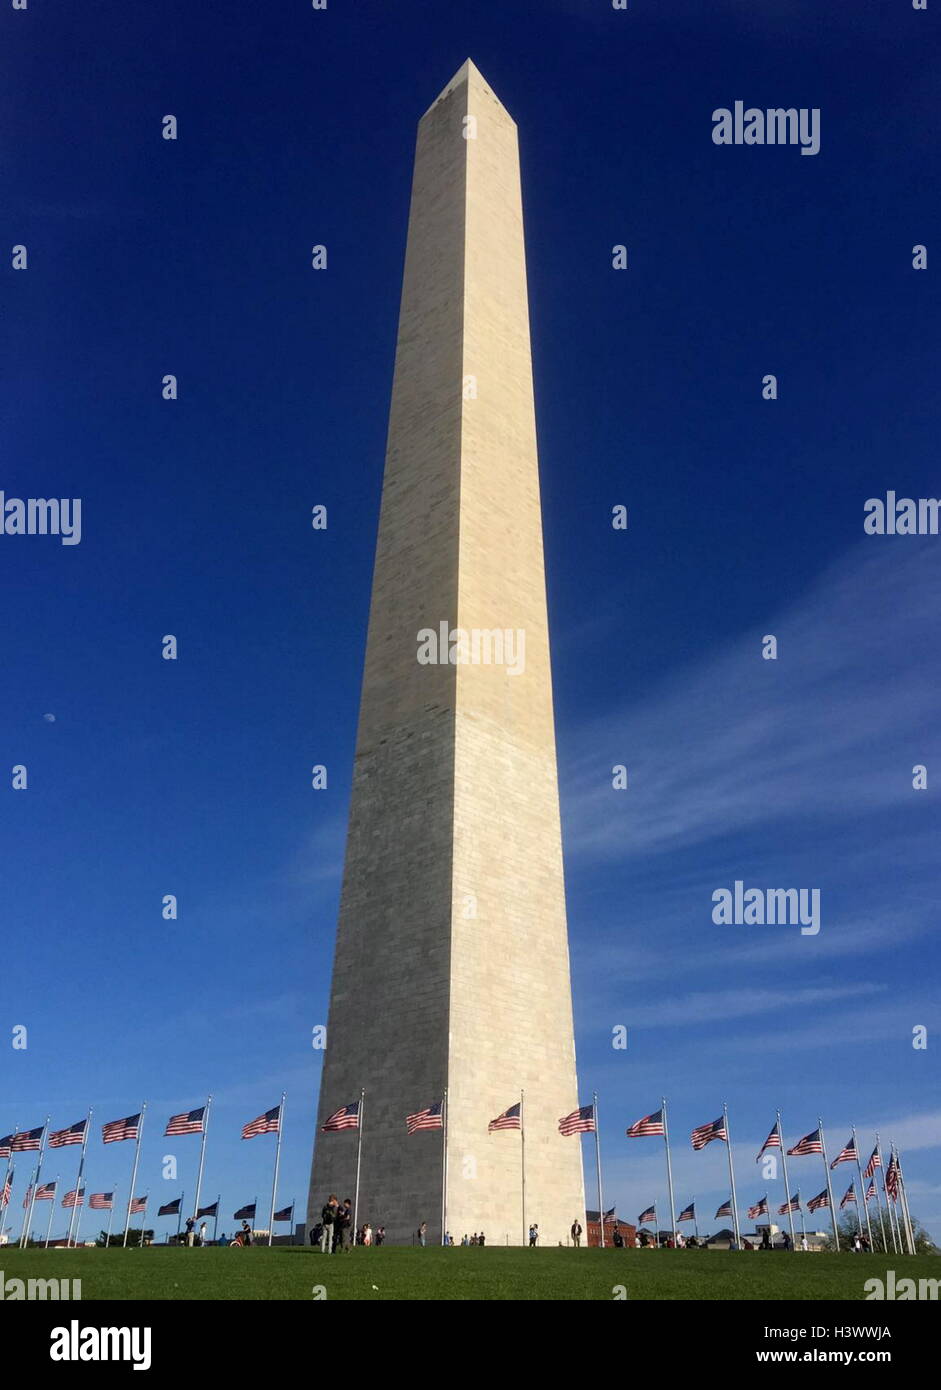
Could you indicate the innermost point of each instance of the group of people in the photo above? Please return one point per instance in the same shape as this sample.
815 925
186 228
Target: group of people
334 1231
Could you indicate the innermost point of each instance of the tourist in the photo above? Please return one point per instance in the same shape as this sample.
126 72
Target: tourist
367 1234
576 1233
380 1235
474 1239
423 1233
343 1223
190 1230
618 1239
202 1234
804 1245
481 1239
533 1236
328 1220
246 1233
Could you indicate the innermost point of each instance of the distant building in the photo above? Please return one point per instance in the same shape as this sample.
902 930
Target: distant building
593 1229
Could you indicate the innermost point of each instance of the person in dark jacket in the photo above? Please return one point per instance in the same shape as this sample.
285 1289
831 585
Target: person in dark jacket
343 1223
328 1217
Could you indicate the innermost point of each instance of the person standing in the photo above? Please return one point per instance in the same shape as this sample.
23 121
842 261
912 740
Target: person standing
202 1234
576 1233
481 1239
328 1218
380 1235
190 1230
344 1225
423 1234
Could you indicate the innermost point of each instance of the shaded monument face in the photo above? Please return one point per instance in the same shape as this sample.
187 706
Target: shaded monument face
451 971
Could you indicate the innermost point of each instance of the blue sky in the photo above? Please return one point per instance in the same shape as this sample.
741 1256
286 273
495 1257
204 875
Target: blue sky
191 257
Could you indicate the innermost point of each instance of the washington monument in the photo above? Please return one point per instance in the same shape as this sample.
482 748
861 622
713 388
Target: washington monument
451 974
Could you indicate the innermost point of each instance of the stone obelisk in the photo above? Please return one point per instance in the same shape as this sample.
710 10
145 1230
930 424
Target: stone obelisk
451 971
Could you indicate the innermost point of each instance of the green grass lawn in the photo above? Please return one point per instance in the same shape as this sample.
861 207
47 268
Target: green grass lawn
403 1273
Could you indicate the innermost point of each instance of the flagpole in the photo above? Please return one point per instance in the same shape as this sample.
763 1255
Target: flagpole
79 1202
885 1243
52 1210
523 1171
728 1145
826 1167
5 1207
32 1174
110 1219
862 1189
598 1165
666 1140
444 1167
359 1154
656 1227
130 1197
32 1196
179 1215
787 1189
888 1204
277 1165
143 1217
906 1214
202 1155
81 1170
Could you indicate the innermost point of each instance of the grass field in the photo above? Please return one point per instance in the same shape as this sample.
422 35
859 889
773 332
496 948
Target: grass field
470 1274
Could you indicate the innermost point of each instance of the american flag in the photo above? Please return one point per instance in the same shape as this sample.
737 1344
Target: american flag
611 1215
724 1210
510 1119
688 1213
116 1130
649 1215
7 1189
27 1139
773 1141
170 1208
27 1196
285 1214
75 1198
75 1134
46 1193
268 1123
874 1162
821 1200
871 1191
101 1201
759 1209
190 1122
810 1144
138 1206
432 1117
848 1196
245 1213
793 1205
650 1124
581 1121
847 1154
347 1117
209 1211
892 1178
6 1146
704 1134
